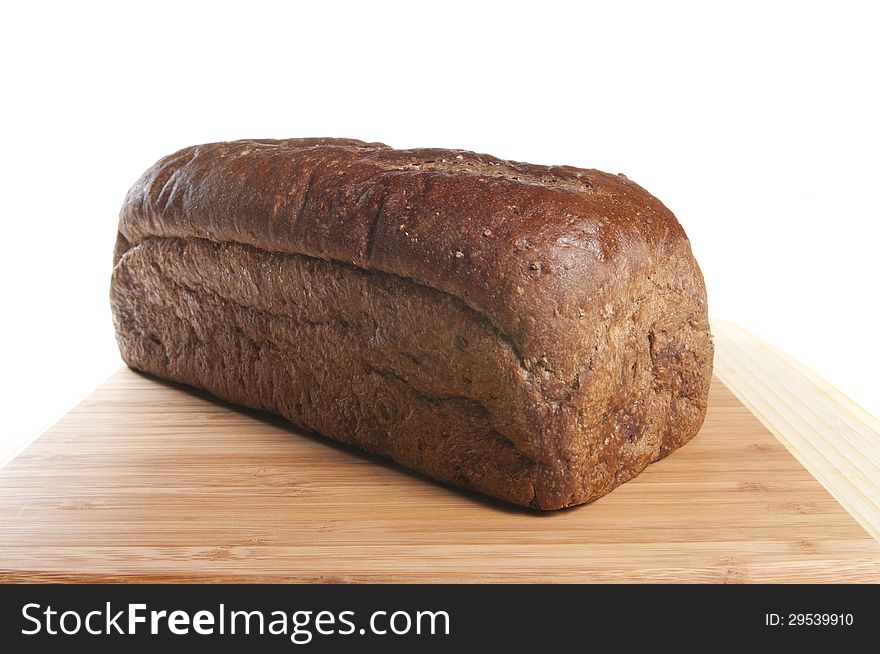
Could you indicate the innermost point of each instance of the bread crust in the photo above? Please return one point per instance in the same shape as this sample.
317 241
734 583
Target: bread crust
537 333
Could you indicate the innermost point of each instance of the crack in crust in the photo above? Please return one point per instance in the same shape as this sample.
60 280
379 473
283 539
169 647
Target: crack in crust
123 246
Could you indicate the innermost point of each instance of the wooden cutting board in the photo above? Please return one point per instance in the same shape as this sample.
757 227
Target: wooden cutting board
146 481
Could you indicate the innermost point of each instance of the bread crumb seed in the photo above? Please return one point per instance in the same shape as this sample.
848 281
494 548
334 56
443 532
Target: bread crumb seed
459 254
581 313
607 440
487 232
535 265
520 290
401 227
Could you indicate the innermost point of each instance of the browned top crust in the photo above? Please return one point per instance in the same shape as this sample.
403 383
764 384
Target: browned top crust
534 249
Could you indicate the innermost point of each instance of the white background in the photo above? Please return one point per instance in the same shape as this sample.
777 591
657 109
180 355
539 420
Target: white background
757 124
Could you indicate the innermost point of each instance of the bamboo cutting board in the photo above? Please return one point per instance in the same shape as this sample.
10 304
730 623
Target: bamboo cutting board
146 481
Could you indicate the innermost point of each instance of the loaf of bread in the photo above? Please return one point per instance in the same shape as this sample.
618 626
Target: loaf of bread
535 333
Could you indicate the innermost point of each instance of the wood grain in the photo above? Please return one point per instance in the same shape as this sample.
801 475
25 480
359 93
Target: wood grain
146 481
832 437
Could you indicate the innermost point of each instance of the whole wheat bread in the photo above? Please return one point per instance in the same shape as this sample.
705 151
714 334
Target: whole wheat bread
535 333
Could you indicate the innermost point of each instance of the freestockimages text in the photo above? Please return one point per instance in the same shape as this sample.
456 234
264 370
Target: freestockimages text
300 626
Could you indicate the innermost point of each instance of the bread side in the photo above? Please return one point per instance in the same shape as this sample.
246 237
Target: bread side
550 356
367 359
